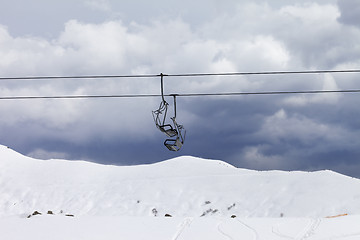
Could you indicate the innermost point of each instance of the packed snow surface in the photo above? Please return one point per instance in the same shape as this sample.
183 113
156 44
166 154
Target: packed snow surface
151 228
94 201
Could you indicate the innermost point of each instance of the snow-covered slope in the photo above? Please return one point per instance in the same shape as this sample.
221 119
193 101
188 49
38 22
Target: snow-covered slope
184 186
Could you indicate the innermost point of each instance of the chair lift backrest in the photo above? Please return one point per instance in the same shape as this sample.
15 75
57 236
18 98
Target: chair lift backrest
162 110
169 130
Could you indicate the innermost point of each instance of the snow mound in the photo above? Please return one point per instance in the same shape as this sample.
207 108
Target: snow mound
183 186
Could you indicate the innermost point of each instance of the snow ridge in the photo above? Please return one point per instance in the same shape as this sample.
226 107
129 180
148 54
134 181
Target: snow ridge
184 186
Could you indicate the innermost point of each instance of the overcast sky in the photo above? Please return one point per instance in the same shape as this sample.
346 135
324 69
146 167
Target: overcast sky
105 37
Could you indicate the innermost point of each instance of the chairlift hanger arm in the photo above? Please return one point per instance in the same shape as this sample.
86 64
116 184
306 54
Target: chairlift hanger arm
162 86
174 96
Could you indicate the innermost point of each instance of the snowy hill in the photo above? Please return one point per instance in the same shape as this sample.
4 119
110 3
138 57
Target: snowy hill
183 187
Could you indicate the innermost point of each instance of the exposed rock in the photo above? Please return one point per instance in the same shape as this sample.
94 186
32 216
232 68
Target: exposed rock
36 213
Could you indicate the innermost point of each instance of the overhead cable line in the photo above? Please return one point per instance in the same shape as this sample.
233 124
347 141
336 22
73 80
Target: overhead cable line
178 75
263 73
78 77
179 94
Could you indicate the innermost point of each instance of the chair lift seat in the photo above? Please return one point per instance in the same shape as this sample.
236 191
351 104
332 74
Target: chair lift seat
173 144
168 130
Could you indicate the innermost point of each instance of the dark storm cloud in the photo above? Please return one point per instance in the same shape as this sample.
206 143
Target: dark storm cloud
308 139
235 131
350 12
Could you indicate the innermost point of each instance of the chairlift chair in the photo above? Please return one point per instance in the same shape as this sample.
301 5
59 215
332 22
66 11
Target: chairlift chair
176 131
176 143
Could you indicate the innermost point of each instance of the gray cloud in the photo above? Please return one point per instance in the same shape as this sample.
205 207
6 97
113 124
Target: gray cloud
303 132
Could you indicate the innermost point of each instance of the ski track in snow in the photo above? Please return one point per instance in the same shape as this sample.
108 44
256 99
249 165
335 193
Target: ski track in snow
184 224
222 231
275 231
305 233
232 231
309 230
254 232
